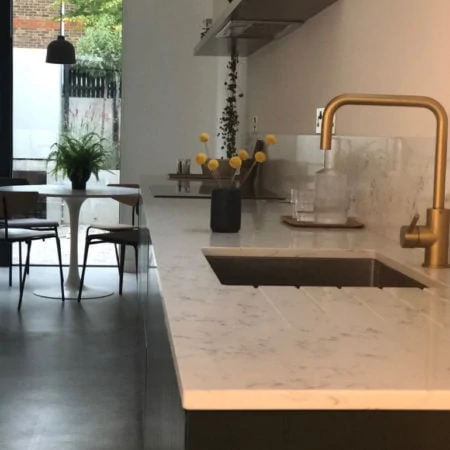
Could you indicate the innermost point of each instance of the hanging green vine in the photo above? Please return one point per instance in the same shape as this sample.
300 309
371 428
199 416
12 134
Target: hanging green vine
229 121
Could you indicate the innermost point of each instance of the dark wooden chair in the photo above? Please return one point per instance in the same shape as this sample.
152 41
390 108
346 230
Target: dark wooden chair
13 204
134 238
134 200
120 235
26 221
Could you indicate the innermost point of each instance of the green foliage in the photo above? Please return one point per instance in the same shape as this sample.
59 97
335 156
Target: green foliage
99 50
229 121
89 12
86 153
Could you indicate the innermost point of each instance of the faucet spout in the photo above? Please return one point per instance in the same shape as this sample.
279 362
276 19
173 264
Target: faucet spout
434 236
411 101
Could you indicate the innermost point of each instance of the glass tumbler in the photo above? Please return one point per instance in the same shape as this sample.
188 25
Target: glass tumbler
183 166
303 205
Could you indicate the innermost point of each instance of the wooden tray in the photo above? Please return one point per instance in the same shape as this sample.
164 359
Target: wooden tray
351 223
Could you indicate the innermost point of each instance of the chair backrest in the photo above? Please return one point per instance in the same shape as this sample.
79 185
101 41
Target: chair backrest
134 200
13 204
131 200
6 181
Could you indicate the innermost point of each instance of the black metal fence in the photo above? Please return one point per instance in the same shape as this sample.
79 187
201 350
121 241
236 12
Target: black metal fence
79 83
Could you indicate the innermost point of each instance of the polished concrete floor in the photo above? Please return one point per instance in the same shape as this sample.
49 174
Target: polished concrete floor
70 374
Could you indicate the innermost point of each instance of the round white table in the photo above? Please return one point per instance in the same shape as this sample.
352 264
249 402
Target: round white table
74 199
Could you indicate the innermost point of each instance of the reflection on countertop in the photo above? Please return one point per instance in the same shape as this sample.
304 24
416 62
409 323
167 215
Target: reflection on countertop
163 187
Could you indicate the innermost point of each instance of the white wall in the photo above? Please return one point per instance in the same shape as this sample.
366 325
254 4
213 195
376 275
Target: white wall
169 96
37 103
218 7
366 46
379 46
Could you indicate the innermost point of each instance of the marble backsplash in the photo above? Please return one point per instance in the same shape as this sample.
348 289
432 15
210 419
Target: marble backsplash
389 179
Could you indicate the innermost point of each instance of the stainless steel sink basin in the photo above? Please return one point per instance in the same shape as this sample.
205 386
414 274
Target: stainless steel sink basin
307 271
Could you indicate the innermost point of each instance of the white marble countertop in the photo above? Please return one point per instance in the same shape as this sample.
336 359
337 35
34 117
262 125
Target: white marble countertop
296 349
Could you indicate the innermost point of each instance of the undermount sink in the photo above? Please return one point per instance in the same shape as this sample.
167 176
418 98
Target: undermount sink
307 271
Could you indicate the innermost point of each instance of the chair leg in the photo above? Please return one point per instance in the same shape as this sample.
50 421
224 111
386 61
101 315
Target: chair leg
117 257
86 250
61 275
136 259
10 265
121 267
22 281
28 267
20 263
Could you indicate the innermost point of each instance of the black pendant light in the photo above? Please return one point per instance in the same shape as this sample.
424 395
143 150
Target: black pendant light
60 51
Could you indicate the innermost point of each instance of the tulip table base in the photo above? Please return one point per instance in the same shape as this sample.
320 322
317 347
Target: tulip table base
72 293
72 283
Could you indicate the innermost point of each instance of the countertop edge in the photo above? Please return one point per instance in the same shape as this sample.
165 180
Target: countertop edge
263 400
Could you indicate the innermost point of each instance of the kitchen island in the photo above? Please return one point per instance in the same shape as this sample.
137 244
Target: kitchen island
237 367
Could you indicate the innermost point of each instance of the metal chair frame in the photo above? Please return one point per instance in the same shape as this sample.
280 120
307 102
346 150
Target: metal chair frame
19 235
43 224
134 238
134 201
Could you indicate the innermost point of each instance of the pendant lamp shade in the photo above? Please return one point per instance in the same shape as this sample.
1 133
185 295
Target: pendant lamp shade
60 51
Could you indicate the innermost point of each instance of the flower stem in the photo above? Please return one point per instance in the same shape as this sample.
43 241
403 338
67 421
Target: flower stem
214 175
234 177
248 173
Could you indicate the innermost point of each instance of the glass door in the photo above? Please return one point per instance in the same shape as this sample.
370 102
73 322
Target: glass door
5 88
50 100
5 100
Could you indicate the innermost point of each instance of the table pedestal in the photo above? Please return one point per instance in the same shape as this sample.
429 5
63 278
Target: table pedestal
72 283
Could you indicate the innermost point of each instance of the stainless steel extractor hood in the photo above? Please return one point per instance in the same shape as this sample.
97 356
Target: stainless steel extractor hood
251 24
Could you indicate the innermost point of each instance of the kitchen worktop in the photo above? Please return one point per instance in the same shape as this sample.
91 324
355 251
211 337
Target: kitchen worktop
282 348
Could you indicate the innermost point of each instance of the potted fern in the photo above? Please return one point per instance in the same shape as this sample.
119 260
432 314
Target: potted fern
78 157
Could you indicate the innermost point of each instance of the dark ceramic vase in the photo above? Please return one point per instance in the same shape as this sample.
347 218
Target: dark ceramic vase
226 210
79 178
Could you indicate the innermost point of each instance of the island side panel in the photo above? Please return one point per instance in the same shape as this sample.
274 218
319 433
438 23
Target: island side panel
285 430
318 430
164 418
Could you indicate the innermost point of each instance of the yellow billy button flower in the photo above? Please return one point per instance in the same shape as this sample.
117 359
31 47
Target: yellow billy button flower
243 154
260 157
213 164
201 158
204 137
271 139
235 162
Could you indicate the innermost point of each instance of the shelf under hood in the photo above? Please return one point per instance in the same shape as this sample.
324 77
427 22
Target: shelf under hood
252 24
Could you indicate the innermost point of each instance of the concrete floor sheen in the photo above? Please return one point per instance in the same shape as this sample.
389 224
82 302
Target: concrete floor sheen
70 374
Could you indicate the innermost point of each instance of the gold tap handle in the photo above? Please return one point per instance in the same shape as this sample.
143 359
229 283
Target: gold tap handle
413 223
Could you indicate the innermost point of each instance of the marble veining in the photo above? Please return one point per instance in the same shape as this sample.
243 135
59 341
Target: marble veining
389 179
285 348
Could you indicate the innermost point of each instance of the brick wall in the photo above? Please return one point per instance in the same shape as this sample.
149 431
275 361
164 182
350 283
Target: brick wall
35 25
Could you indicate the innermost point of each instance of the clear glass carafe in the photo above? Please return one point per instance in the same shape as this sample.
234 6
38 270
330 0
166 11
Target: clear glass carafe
331 196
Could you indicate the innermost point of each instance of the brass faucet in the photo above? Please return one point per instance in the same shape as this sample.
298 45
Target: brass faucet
434 236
